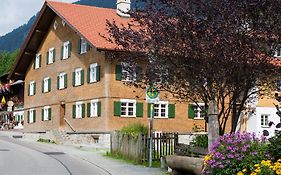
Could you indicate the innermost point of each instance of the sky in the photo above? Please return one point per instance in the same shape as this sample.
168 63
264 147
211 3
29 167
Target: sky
15 13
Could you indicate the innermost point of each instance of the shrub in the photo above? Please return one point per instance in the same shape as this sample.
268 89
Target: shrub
264 167
274 148
200 141
135 129
234 152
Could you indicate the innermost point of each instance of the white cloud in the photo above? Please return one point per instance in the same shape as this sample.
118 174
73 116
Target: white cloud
15 13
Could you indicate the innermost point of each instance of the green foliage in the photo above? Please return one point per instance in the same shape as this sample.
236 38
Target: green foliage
46 141
7 59
274 148
135 129
200 141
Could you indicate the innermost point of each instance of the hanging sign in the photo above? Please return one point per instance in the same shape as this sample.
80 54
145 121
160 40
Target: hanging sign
152 94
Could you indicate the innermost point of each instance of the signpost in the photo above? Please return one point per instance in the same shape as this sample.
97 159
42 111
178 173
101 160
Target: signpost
152 96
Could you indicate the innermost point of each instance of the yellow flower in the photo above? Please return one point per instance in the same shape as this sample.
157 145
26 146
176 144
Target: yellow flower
244 170
240 173
256 165
253 173
258 170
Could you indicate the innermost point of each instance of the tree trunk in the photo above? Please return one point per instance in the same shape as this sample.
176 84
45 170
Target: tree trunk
213 125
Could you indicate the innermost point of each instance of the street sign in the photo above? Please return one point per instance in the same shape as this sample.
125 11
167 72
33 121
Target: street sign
152 94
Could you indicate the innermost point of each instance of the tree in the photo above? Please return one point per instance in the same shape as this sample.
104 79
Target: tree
205 50
7 60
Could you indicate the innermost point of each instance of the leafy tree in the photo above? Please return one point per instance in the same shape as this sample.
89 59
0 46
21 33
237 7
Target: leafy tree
7 60
204 50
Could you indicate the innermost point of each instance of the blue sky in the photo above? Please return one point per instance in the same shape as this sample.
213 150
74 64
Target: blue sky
14 13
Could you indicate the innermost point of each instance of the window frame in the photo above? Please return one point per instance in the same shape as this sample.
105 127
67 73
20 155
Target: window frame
46 113
197 115
264 122
46 85
62 78
83 46
94 108
78 70
126 75
93 72
31 114
66 46
37 61
166 103
51 50
127 101
277 51
77 115
31 84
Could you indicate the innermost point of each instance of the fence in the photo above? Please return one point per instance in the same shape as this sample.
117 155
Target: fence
137 149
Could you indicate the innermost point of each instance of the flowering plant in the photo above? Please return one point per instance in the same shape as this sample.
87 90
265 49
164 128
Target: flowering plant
234 152
264 167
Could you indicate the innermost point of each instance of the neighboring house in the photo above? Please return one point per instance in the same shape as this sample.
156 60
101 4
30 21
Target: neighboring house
70 83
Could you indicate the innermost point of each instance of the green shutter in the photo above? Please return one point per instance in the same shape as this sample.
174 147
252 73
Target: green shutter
99 108
98 73
49 85
49 113
58 82
40 59
118 72
82 77
73 78
88 109
65 81
148 109
34 63
28 92
73 111
42 114
54 55
47 57
28 117
191 113
61 52
138 73
88 74
117 108
171 110
42 86
83 110
69 49
139 112
34 116
79 46
88 47
34 88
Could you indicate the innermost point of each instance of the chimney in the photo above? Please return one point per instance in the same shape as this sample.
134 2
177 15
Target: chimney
123 7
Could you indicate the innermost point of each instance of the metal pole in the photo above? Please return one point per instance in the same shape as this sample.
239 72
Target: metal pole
151 133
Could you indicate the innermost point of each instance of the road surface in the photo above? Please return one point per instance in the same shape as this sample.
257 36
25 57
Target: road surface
23 158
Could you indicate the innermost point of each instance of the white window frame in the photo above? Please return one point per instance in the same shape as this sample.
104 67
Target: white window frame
78 76
94 108
37 61
127 75
197 111
31 88
159 108
264 122
46 84
61 80
63 22
31 114
277 51
55 25
93 72
127 101
83 46
78 106
51 55
46 113
65 50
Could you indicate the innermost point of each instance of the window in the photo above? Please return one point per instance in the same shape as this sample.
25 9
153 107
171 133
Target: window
161 109
63 22
128 108
62 80
78 110
31 116
128 72
196 111
83 46
46 113
264 120
94 108
55 25
37 63
66 50
93 73
51 56
78 77
46 85
32 88
277 50
278 85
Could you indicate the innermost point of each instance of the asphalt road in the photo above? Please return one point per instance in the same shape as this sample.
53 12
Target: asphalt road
21 158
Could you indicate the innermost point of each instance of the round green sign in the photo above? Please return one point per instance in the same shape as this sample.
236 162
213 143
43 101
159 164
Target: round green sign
152 92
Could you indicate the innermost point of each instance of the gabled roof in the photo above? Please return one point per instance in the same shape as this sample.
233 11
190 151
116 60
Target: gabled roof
87 21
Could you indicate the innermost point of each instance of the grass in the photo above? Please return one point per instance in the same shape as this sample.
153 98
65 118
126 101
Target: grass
46 141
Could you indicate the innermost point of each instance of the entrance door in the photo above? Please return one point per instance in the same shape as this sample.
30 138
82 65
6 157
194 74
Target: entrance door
62 114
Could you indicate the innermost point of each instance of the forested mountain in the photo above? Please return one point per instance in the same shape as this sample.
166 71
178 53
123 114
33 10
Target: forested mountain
14 39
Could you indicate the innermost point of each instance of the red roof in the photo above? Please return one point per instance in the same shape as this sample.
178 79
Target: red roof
89 21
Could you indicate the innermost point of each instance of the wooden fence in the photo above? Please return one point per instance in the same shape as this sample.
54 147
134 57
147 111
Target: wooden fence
137 149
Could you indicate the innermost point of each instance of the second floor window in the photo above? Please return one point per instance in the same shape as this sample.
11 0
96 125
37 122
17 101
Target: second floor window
66 50
264 120
78 77
83 46
31 88
46 85
51 56
62 80
127 72
37 62
93 73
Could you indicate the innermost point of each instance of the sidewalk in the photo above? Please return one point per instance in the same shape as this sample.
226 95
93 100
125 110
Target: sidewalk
95 156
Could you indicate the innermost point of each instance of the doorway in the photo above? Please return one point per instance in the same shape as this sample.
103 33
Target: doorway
62 115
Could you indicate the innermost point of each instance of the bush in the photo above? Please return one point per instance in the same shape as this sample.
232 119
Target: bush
265 167
274 148
135 129
232 153
200 141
